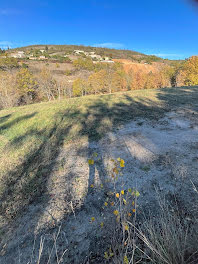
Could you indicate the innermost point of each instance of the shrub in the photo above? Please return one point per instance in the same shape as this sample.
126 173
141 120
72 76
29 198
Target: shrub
86 64
119 208
8 63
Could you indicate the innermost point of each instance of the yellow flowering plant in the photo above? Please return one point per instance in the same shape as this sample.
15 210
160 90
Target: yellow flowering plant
119 208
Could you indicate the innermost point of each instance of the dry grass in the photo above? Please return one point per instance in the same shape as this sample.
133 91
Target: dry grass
48 254
164 239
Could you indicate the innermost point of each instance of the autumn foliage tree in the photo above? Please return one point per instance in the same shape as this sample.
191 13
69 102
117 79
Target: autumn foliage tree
151 81
97 82
26 86
84 63
80 87
138 81
181 78
190 71
108 80
118 81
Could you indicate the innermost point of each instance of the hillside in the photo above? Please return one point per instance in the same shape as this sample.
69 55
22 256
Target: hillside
46 181
136 67
112 53
40 73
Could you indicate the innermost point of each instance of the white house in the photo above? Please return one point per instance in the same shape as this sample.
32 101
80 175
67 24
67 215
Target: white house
32 58
78 51
94 56
19 54
107 61
42 58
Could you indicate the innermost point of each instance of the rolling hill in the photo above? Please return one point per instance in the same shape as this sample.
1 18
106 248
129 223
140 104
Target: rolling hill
112 53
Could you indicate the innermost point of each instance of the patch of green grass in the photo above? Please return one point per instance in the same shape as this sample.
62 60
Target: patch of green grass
32 136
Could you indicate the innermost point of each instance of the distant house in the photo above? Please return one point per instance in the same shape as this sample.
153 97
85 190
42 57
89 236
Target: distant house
42 58
13 55
19 54
107 61
42 51
94 56
78 51
32 58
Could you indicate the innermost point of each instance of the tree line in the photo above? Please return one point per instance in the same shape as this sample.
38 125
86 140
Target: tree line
20 86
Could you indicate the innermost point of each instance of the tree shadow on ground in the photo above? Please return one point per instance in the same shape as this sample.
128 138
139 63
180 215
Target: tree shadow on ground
15 121
179 97
4 118
28 182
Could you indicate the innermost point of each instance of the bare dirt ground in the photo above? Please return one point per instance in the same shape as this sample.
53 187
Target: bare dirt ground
158 155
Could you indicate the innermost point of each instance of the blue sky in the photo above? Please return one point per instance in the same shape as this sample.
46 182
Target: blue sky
167 28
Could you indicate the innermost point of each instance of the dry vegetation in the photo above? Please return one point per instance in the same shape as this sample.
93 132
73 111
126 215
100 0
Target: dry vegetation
32 137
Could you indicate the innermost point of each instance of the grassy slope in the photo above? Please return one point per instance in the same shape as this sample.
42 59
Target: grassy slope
32 136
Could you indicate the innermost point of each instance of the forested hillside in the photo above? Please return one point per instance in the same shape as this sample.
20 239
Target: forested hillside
44 73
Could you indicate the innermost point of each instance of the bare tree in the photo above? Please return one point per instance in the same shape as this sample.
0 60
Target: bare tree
8 94
47 85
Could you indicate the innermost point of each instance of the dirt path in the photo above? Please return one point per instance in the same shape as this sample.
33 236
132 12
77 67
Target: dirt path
159 154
